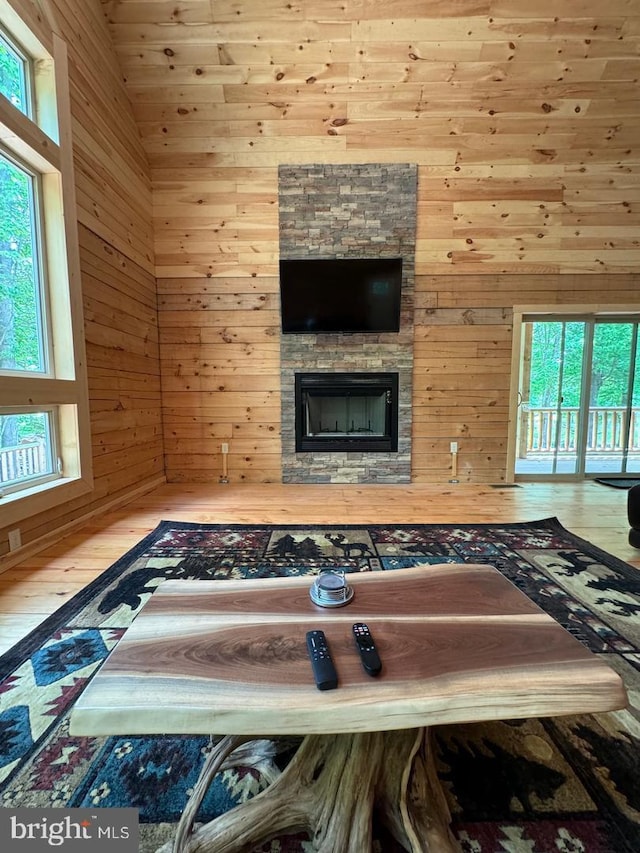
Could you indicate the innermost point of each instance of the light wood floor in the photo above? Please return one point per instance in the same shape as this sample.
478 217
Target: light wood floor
35 588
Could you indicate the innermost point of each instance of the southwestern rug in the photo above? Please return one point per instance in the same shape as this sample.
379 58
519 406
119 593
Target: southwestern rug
568 784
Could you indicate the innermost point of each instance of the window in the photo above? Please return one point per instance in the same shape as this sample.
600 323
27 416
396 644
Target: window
45 452
15 75
23 315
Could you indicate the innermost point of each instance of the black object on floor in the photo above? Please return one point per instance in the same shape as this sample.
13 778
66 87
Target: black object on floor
633 514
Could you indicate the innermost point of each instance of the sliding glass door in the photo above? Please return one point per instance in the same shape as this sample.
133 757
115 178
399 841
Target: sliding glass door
612 435
579 397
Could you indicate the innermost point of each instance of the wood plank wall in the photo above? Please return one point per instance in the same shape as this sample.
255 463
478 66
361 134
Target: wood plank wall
523 118
117 265
480 208
524 123
462 361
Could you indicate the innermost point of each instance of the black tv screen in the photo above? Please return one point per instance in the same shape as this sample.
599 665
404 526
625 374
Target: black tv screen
340 295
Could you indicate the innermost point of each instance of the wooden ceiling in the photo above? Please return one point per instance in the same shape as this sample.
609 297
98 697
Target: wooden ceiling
523 116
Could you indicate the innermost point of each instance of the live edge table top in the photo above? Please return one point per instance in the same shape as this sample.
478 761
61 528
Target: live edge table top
458 643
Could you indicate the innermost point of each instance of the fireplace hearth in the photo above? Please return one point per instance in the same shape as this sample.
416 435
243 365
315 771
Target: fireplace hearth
346 412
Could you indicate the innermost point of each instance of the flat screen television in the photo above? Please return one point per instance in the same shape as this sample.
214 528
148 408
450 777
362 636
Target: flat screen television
340 295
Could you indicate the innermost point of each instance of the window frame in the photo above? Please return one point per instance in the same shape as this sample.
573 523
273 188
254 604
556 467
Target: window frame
43 144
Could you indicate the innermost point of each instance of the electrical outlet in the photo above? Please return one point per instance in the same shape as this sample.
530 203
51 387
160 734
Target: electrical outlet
225 447
454 447
15 539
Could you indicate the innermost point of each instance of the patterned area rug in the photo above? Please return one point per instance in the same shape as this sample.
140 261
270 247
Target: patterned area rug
568 784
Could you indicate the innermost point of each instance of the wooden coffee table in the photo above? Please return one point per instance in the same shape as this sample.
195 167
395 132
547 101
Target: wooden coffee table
458 642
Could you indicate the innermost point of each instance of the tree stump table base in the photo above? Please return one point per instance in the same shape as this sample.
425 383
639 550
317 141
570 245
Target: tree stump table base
331 789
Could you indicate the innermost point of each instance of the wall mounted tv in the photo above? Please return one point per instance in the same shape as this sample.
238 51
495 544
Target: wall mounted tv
340 295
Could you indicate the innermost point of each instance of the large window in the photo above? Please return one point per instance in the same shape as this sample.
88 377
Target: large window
44 434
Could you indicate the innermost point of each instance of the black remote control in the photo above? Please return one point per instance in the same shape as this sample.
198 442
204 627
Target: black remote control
367 649
324 671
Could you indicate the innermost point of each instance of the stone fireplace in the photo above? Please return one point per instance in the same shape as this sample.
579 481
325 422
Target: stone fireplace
348 211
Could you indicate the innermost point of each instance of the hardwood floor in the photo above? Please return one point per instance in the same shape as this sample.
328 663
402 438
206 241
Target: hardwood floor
36 587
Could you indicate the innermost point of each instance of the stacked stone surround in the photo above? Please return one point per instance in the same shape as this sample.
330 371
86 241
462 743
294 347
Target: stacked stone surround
349 211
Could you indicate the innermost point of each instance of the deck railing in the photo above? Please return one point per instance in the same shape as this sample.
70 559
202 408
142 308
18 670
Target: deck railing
23 460
538 431
606 431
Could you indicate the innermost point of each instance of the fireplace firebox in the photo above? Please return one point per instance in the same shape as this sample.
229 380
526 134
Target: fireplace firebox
346 412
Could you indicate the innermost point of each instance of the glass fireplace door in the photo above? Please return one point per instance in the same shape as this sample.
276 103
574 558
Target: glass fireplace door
346 412
354 413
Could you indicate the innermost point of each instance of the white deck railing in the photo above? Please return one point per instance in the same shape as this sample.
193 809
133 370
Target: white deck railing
606 431
22 460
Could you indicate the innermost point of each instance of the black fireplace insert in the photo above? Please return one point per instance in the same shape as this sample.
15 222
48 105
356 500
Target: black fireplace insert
348 412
